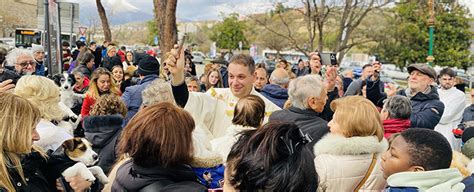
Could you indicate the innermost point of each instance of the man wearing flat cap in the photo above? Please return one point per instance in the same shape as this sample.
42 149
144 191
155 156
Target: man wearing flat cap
148 68
427 108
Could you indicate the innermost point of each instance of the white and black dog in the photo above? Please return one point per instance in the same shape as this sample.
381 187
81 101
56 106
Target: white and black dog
80 150
69 99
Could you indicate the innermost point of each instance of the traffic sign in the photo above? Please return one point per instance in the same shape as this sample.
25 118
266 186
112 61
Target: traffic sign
82 38
82 31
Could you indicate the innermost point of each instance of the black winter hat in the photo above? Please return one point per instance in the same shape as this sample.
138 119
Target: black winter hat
148 65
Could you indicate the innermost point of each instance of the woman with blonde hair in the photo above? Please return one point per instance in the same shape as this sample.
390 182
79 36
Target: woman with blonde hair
348 158
24 166
44 94
111 58
101 83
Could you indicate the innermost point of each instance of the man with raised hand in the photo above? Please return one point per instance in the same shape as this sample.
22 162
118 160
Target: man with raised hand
215 108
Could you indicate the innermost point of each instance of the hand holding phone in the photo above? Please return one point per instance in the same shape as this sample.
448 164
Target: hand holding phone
328 58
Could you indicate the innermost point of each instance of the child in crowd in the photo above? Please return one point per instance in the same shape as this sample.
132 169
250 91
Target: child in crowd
419 160
248 115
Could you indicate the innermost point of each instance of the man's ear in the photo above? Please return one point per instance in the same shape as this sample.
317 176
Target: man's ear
312 102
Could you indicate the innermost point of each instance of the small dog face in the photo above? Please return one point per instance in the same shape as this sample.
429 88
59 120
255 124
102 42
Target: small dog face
64 81
80 150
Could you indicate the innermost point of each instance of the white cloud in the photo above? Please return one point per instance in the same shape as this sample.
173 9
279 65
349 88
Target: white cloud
193 10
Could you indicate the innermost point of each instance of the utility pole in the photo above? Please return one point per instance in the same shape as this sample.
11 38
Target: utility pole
431 23
47 36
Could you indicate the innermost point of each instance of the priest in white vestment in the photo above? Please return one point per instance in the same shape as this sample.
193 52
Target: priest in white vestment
454 101
215 108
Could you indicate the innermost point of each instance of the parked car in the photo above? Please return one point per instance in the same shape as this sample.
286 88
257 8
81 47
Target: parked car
269 64
198 57
394 72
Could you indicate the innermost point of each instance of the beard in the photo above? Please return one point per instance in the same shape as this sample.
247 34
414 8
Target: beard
447 86
25 73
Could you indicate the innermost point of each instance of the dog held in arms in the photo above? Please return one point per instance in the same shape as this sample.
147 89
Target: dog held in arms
69 99
78 151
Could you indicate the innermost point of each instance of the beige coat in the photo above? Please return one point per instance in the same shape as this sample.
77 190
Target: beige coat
341 163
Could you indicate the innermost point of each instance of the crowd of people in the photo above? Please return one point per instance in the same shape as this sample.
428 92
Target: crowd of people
238 127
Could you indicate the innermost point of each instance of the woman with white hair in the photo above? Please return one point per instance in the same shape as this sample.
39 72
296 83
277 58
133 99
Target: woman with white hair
395 115
38 53
44 94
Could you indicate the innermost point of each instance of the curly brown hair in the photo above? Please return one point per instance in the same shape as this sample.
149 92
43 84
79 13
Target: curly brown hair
109 104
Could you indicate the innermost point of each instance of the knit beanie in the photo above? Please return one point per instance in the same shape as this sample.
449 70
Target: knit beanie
148 65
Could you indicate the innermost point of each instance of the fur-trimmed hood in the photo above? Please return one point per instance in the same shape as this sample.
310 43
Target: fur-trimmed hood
339 145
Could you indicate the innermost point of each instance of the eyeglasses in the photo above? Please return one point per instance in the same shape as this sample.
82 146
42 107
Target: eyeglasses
26 63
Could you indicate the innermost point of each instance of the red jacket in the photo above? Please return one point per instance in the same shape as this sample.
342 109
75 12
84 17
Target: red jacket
121 54
392 126
87 105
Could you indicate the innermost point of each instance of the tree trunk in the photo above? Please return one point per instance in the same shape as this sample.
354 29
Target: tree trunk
104 20
165 16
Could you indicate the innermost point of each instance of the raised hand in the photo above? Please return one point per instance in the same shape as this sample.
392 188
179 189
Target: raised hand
175 63
330 80
392 89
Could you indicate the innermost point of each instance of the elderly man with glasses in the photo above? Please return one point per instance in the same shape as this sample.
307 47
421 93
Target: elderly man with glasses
21 61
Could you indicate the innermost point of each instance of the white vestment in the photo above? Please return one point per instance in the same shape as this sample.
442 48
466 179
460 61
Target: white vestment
454 102
223 145
215 109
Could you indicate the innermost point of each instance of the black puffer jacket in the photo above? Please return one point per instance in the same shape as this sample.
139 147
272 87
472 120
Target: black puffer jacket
41 173
34 169
110 62
427 109
307 120
103 132
131 177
